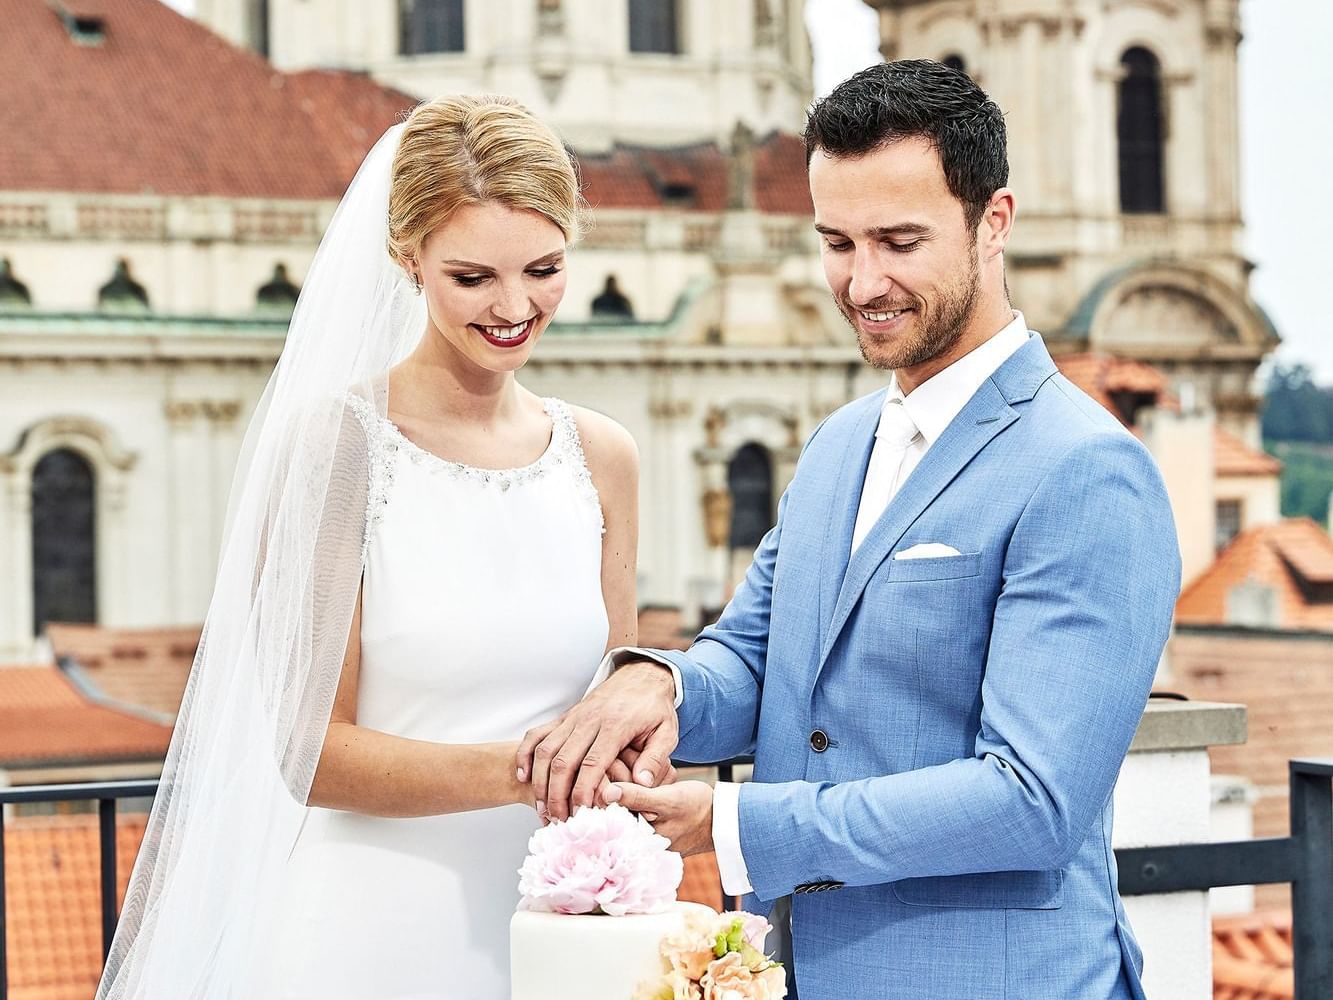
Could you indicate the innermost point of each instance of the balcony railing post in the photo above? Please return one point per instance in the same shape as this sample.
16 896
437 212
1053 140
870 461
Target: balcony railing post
4 923
106 834
1312 889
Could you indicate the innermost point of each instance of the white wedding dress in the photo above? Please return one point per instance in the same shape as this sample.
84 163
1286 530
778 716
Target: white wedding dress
482 615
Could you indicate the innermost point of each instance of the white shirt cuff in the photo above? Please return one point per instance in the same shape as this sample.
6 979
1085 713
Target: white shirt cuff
621 655
727 839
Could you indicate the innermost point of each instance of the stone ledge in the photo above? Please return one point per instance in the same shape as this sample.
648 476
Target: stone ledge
1185 725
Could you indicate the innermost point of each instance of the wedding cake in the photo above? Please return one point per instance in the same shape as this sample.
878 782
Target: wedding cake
571 956
599 920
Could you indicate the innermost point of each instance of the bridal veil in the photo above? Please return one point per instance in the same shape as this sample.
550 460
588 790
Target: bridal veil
255 710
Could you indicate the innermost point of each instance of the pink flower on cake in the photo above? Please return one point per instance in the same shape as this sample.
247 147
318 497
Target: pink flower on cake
755 930
600 860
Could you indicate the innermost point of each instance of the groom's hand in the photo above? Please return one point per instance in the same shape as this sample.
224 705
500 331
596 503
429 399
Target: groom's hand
567 760
683 812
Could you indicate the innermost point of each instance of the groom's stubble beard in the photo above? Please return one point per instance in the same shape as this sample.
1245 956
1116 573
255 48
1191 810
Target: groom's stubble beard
935 334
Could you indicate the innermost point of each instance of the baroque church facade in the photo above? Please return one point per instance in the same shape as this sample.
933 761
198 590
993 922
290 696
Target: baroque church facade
153 251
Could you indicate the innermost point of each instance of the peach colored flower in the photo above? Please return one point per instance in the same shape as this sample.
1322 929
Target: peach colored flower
775 979
729 978
683 987
690 949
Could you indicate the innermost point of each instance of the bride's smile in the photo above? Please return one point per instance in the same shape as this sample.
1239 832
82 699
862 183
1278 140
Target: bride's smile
507 336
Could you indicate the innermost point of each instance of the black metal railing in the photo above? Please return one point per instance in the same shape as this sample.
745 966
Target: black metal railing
1304 859
106 794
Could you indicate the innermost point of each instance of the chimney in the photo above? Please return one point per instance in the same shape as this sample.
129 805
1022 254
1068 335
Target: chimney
1252 604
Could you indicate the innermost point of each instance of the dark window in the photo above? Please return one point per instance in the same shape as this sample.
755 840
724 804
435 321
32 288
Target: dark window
1128 404
12 291
122 291
1228 522
750 480
955 61
612 303
63 582
259 37
279 293
430 26
1141 133
653 26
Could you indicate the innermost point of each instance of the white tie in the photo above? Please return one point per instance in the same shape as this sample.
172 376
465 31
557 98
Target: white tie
893 437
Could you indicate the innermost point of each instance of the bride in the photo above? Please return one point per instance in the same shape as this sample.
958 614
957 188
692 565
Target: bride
423 560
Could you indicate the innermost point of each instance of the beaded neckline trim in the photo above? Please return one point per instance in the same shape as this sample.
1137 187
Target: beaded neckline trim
387 441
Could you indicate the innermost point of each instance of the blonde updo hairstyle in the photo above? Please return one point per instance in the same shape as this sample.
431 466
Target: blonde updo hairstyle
464 150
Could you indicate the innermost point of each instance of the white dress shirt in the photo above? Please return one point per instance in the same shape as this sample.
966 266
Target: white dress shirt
903 437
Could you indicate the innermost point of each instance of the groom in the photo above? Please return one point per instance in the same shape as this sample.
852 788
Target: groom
943 648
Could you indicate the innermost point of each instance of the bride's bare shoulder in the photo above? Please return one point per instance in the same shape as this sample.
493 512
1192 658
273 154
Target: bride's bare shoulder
606 444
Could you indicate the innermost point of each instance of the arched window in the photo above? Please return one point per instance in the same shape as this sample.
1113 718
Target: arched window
654 26
750 480
63 553
430 26
1141 133
954 61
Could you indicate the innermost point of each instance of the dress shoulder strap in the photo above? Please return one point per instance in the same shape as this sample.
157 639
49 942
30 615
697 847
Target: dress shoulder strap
380 452
569 445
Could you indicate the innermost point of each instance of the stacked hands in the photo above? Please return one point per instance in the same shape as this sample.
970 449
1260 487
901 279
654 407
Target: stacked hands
615 746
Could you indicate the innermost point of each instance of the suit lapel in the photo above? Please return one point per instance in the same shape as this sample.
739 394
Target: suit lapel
987 413
843 506
985 416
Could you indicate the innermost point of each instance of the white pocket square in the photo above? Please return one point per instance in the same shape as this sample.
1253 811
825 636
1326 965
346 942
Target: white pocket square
927 550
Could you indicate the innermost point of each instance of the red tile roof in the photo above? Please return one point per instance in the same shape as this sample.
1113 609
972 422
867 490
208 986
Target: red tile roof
1233 457
163 105
142 667
1252 957
635 176
53 929
1102 375
44 719
1289 556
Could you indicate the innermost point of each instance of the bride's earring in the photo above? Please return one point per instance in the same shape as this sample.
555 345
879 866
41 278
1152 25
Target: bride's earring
416 282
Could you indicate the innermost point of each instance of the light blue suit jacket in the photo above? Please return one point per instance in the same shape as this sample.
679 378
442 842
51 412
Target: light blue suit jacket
977 708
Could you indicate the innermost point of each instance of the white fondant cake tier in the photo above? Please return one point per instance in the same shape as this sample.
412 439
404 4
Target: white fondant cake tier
561 956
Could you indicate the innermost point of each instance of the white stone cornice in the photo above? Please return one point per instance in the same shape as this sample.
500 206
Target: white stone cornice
93 217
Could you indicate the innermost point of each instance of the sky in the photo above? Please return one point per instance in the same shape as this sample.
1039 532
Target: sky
1286 80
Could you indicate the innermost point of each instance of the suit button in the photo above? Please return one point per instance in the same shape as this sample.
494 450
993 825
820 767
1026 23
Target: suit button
819 741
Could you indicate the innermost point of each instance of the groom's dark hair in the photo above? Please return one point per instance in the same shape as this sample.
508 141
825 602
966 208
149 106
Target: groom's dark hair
917 97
